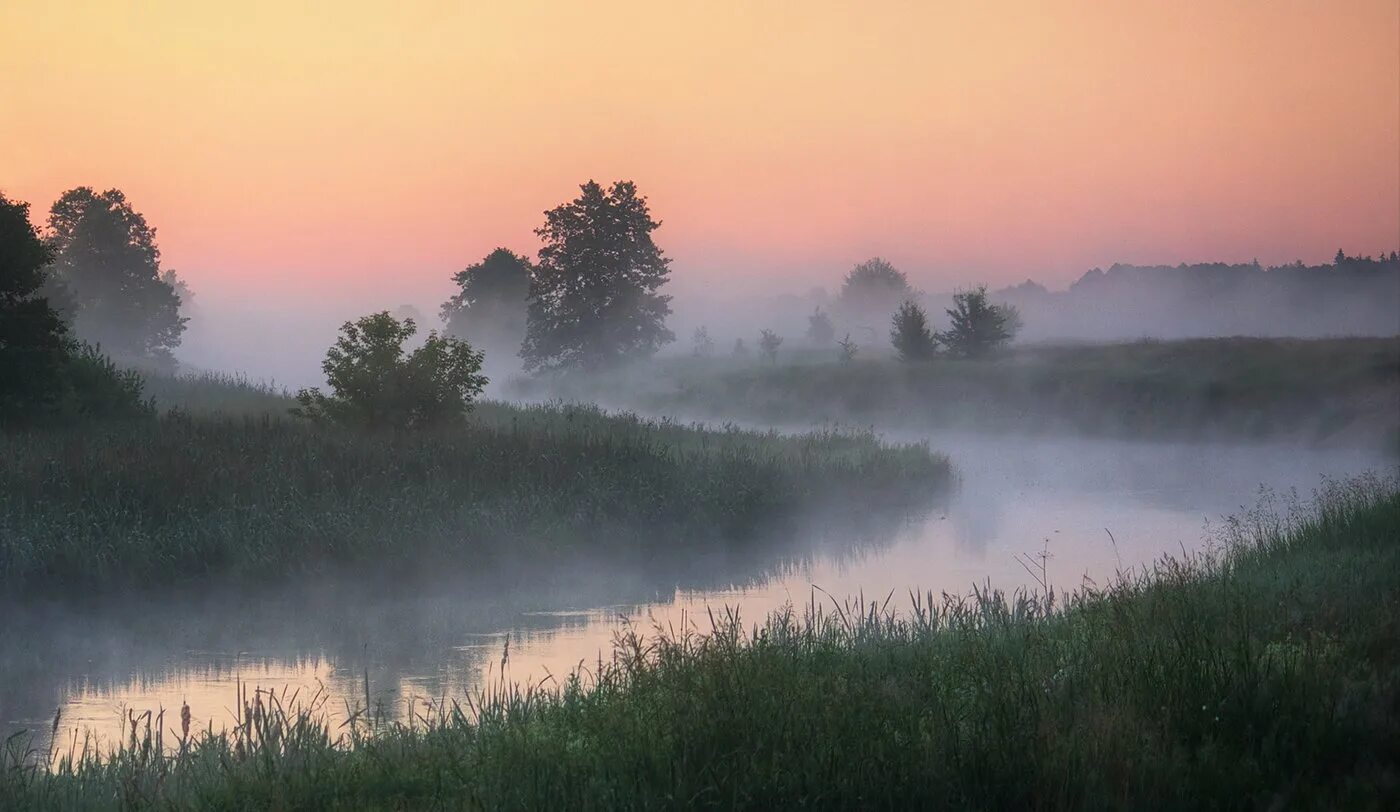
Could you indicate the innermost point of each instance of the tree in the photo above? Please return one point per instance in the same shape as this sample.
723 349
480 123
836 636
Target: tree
703 345
820 330
768 344
32 336
741 349
978 326
593 295
105 254
488 308
377 385
910 333
848 349
873 289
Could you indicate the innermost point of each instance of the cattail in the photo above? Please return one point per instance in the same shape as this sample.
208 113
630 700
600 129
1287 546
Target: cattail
185 720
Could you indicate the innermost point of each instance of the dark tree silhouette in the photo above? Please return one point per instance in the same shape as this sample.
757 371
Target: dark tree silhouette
377 385
910 334
873 289
488 308
593 295
820 330
848 349
32 341
105 254
701 344
978 326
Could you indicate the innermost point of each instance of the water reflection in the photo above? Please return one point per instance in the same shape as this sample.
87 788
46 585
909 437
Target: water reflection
444 636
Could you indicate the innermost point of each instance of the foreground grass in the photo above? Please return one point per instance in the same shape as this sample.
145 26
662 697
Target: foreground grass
248 495
1335 389
1262 677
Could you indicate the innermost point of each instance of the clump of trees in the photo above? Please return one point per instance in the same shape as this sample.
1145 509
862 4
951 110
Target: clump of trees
978 327
488 309
376 384
768 344
107 278
911 335
48 375
594 299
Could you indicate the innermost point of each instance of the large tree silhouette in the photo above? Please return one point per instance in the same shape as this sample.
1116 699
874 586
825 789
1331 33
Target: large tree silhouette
105 254
32 342
593 295
873 290
488 308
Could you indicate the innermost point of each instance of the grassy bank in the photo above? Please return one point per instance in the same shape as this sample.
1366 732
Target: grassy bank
1263 677
1340 390
240 493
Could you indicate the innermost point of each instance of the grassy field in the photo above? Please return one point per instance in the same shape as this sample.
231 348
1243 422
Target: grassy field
1263 675
1338 390
222 487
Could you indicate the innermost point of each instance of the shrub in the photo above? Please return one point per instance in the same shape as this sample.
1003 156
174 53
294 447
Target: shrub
378 385
978 326
910 333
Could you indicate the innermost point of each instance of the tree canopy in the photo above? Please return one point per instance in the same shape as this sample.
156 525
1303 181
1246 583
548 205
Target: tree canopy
105 254
910 334
32 336
593 294
978 326
873 289
377 385
488 308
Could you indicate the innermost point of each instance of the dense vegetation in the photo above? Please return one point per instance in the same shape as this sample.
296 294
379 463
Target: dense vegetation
191 497
1346 390
1262 676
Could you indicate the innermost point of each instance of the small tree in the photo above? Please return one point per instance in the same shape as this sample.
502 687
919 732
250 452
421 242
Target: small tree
488 308
978 327
768 344
910 333
741 350
704 346
378 386
873 289
848 349
820 330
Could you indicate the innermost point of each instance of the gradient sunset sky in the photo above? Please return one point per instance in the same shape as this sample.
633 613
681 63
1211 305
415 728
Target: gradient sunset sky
381 146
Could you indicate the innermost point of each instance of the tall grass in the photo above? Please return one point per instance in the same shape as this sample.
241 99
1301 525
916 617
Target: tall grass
1262 675
194 496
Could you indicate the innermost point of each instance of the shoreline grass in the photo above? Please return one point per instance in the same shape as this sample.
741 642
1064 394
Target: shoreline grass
1263 675
247 495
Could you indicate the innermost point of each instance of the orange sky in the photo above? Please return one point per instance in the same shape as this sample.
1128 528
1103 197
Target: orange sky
384 145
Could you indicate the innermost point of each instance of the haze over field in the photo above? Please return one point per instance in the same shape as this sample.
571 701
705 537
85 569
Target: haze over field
308 164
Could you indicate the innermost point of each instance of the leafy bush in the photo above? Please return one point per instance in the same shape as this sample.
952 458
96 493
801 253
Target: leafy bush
979 327
910 333
378 385
768 344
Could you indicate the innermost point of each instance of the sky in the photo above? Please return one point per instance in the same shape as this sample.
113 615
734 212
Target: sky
366 150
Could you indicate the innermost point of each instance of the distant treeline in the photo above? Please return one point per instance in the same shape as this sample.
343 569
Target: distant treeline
1352 296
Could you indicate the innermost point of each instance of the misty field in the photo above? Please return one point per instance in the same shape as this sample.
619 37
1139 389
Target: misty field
1262 674
241 493
1337 390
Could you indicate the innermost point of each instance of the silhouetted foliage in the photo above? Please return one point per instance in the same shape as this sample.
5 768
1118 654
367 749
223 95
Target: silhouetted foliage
873 289
978 327
820 330
848 349
377 385
105 255
32 336
488 308
702 345
768 344
593 295
741 350
910 334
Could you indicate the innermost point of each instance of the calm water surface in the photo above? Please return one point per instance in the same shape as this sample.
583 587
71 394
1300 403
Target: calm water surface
446 637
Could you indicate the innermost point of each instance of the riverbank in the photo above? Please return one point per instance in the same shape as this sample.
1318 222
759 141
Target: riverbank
1338 391
1263 674
201 493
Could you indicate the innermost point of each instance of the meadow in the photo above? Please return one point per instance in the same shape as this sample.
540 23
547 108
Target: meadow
1260 674
1311 390
222 485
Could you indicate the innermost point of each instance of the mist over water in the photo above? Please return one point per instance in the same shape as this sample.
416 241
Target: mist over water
444 637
